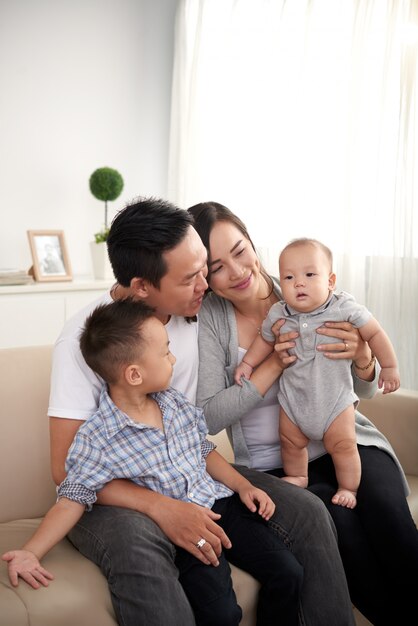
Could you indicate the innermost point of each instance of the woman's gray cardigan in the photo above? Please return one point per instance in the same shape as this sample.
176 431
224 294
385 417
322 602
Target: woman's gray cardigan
218 358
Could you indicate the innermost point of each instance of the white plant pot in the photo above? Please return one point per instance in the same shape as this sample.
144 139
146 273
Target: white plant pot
102 270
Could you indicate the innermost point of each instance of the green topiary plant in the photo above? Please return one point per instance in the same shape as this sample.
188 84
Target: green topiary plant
105 184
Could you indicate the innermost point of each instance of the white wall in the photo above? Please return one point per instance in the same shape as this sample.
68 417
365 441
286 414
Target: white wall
84 84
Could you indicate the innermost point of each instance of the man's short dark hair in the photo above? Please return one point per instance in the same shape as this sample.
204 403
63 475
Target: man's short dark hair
140 234
112 336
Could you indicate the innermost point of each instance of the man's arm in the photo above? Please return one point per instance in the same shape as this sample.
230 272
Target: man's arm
184 523
61 435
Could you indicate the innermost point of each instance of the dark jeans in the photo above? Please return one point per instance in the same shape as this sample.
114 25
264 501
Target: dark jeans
255 549
378 540
138 559
306 527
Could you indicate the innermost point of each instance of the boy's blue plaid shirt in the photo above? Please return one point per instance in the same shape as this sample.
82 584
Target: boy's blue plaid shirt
110 445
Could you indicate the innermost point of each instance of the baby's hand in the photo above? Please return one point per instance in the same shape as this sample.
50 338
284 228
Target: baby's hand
254 498
25 564
243 369
389 379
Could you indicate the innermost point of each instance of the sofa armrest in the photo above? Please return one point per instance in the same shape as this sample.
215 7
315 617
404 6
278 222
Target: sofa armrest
396 416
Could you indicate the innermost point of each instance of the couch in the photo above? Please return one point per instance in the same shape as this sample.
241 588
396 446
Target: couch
79 593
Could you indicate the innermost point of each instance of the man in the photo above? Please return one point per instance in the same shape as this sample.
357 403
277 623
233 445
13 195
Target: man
158 257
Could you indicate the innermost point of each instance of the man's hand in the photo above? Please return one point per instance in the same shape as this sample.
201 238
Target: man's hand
186 523
284 341
255 498
25 564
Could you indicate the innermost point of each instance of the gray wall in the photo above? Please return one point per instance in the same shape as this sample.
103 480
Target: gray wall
84 84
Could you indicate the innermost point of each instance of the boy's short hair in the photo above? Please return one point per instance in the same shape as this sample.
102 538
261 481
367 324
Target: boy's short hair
112 336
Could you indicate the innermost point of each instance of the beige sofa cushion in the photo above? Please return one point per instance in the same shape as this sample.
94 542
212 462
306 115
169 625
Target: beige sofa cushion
71 600
26 486
72 587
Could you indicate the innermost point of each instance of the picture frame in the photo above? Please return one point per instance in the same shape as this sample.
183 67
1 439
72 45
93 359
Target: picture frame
49 254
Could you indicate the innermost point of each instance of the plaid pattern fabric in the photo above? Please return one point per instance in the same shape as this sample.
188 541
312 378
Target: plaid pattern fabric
79 493
171 461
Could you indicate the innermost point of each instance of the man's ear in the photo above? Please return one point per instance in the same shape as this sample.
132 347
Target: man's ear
133 374
331 281
139 287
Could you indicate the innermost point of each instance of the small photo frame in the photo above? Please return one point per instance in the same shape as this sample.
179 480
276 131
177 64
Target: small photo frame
49 254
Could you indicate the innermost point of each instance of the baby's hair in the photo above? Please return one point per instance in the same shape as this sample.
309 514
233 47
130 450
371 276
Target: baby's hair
314 242
112 336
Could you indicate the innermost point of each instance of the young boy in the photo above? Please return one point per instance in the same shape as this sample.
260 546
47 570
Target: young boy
152 435
316 396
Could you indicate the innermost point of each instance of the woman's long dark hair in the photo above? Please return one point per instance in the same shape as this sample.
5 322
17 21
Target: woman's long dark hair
207 214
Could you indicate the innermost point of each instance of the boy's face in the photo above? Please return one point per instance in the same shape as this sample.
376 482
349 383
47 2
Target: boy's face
183 286
156 360
306 279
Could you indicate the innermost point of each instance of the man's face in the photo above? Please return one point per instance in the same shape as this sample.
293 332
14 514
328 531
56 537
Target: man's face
181 289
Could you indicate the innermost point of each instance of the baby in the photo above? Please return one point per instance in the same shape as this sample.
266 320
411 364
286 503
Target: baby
316 394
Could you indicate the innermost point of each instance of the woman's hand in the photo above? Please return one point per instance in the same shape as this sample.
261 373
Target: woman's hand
350 345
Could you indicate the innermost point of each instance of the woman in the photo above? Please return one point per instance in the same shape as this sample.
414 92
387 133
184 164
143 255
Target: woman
378 540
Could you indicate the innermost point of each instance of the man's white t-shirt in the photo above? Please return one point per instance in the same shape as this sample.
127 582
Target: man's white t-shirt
75 388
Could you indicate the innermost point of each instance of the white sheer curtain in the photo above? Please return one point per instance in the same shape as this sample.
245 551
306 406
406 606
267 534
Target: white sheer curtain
301 116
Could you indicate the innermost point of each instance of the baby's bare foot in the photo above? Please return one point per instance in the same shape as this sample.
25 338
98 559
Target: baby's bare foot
299 481
346 498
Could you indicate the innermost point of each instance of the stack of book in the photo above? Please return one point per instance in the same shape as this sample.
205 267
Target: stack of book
12 276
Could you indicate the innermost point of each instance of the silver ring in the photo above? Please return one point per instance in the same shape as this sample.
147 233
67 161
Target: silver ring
346 346
201 543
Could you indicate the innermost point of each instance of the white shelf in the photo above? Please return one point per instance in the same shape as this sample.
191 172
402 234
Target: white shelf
78 284
33 315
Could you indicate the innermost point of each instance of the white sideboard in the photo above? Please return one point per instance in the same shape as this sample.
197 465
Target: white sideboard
33 315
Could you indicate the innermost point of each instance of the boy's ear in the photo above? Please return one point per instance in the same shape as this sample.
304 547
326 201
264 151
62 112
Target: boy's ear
331 281
133 375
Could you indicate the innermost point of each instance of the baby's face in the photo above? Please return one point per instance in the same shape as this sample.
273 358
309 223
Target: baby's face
306 278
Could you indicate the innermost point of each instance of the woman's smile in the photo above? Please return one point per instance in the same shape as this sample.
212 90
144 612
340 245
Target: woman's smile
244 283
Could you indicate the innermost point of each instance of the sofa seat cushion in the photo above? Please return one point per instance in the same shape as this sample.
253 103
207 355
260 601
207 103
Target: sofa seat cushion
77 595
246 589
